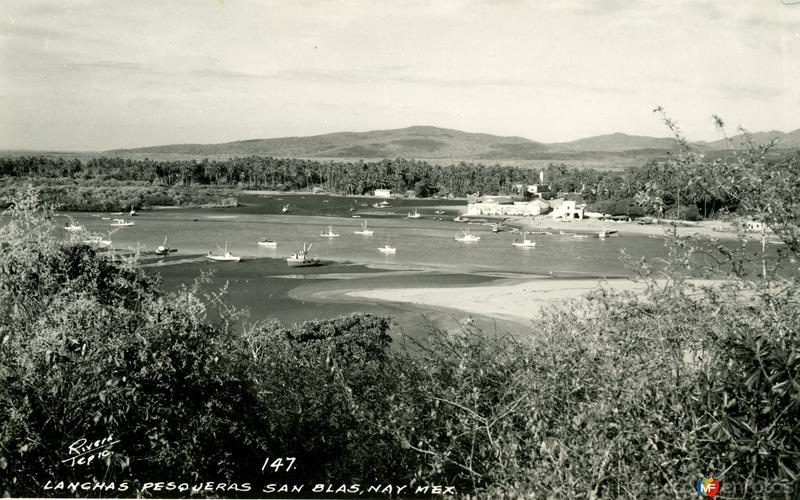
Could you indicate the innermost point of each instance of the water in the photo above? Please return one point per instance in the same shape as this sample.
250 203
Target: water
421 243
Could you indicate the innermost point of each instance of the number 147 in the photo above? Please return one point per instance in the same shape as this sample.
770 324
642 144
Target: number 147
286 464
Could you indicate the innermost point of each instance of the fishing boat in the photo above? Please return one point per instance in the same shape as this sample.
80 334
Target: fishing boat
121 223
466 237
266 242
72 227
604 233
163 249
225 257
414 215
458 218
302 259
329 233
525 243
387 248
98 242
364 231
439 212
285 208
382 204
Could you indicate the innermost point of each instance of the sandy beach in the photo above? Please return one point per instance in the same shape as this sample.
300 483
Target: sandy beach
514 300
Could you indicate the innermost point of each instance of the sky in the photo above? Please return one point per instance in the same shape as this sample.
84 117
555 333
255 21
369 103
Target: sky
89 75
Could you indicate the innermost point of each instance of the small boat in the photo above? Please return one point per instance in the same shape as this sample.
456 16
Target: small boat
580 235
363 204
565 233
382 204
364 231
329 233
72 227
458 218
132 213
302 259
603 234
495 228
439 212
466 237
414 215
266 242
98 242
225 257
121 223
285 208
163 249
356 216
525 243
387 248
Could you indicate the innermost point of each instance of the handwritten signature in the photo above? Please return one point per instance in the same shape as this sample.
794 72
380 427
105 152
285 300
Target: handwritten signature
82 452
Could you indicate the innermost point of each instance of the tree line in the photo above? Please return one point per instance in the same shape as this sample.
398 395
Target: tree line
655 188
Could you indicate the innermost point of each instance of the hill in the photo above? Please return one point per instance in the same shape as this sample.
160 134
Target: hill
411 142
432 143
790 140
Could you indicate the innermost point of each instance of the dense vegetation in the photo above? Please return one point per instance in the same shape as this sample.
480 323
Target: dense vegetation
655 188
613 396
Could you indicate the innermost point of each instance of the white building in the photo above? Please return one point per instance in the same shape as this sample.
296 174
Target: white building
383 193
569 210
536 207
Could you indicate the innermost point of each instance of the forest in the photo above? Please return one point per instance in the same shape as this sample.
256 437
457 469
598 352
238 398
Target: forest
655 188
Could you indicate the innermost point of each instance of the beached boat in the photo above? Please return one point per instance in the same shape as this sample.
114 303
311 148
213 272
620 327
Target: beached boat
387 248
466 237
329 233
302 259
364 231
285 208
121 223
525 243
266 242
225 257
163 249
98 242
414 215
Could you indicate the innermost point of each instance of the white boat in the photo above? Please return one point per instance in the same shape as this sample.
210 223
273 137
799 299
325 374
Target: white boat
458 218
163 249
329 233
266 242
605 233
466 237
387 248
382 204
132 212
225 257
566 233
285 208
525 243
302 259
121 223
72 227
439 212
414 215
495 228
98 242
364 231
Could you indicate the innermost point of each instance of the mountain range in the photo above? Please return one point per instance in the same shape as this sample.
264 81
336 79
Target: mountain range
435 143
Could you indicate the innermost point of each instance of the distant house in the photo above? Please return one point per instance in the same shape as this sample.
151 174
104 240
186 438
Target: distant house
754 225
569 210
499 207
535 190
383 193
